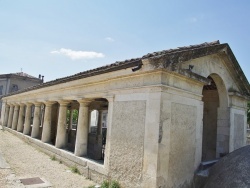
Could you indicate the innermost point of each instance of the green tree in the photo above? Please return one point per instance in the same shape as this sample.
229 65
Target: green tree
74 116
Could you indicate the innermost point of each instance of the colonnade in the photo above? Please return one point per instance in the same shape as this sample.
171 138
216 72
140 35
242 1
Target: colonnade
18 117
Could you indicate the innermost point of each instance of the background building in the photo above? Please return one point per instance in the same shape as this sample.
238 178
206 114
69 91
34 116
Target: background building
16 81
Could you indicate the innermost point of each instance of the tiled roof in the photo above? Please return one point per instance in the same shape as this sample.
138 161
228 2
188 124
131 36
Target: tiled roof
180 49
173 57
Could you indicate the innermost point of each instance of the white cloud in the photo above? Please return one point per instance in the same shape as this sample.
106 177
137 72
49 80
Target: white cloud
74 55
110 39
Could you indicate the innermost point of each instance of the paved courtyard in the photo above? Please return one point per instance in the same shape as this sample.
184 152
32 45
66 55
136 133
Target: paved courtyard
19 160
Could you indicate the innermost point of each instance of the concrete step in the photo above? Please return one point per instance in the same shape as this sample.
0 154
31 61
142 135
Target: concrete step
207 164
202 173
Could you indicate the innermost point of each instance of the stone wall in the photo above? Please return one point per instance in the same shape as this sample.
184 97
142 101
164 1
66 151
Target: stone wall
182 144
126 155
180 139
238 131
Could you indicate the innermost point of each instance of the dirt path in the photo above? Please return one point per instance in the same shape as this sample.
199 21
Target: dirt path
27 162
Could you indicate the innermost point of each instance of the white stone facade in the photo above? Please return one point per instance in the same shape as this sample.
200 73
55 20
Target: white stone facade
156 110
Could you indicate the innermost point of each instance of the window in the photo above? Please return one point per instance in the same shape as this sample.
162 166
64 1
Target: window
1 90
14 88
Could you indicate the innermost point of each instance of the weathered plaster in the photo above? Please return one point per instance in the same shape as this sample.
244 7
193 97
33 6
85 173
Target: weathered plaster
126 157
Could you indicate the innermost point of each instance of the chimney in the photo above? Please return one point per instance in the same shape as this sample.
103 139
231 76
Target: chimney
42 78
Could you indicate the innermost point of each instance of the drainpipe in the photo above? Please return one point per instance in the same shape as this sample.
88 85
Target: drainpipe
138 67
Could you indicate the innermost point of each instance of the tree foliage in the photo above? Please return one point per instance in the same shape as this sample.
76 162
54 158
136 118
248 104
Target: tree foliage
74 116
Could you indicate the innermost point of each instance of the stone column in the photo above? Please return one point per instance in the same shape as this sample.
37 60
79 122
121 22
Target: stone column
61 135
27 121
20 119
36 122
10 118
46 135
99 125
7 110
109 127
71 120
89 117
15 117
82 129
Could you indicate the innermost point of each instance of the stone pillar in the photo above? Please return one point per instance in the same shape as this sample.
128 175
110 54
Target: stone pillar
71 120
82 129
27 121
15 117
109 127
46 135
20 119
36 122
10 118
7 110
61 135
89 116
99 125
2 111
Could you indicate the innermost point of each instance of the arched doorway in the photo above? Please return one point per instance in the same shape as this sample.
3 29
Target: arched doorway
215 138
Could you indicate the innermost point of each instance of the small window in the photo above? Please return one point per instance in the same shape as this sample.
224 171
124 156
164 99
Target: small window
1 90
14 88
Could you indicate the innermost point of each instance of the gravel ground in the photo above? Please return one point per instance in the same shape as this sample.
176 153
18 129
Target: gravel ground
27 162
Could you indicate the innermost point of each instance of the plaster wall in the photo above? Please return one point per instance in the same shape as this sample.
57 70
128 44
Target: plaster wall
145 136
4 84
180 148
126 157
22 83
238 128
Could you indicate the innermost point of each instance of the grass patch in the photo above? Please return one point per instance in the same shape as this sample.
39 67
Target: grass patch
105 184
114 184
74 169
53 158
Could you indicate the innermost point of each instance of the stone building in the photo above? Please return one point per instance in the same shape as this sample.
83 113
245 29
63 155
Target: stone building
159 116
16 81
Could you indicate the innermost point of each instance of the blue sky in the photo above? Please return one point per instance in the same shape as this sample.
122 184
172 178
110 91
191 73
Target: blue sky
58 38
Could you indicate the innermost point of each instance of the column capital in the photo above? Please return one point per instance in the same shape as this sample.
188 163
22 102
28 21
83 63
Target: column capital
28 103
64 102
84 102
22 104
49 103
36 103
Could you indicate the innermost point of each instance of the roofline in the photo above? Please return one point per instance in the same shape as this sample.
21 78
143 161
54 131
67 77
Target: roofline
191 52
16 75
100 70
241 76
